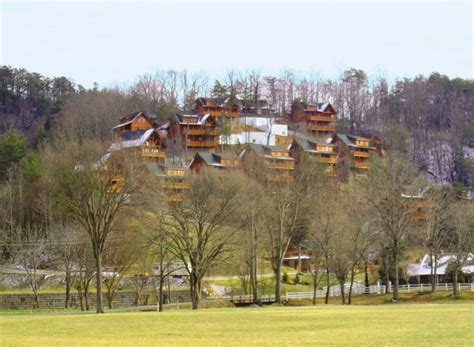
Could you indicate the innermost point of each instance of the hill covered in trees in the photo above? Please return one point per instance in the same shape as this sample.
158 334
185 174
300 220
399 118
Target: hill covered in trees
431 118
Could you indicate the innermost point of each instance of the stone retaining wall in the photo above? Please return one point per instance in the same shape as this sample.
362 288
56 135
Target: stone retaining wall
56 300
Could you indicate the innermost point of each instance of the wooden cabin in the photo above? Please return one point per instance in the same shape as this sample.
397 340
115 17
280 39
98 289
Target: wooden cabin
218 161
355 148
216 108
137 121
319 151
319 118
172 179
147 144
280 165
298 257
138 133
198 131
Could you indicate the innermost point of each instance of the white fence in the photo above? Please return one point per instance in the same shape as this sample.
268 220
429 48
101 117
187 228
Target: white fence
377 289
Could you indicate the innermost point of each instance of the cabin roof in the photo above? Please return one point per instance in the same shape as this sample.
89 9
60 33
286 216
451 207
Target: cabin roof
260 151
348 140
320 106
309 145
131 118
201 118
212 159
132 143
214 102
159 169
423 268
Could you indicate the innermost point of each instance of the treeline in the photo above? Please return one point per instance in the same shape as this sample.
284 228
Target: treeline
433 114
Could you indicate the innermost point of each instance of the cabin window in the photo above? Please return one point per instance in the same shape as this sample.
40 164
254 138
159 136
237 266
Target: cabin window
141 120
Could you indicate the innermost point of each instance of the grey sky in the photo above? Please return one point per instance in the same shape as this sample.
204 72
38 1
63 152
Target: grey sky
115 41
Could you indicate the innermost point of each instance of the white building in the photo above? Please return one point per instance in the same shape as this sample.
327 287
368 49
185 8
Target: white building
422 270
261 130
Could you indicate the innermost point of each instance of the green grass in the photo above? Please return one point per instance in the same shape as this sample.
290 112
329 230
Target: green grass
414 324
267 284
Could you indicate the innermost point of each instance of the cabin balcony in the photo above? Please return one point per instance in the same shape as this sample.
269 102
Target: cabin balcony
317 127
153 152
170 184
278 177
364 165
174 197
331 160
202 131
201 143
281 164
322 118
360 154
225 113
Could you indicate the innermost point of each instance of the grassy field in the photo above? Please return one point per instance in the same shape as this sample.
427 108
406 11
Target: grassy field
414 324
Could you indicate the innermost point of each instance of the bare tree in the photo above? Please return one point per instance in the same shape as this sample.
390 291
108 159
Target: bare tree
462 239
95 190
436 226
31 248
391 187
202 224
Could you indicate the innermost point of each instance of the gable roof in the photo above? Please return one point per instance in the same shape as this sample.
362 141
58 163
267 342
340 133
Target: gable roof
132 143
320 106
131 118
309 145
260 151
212 159
201 118
348 140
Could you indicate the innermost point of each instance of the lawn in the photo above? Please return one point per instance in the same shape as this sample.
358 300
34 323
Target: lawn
402 324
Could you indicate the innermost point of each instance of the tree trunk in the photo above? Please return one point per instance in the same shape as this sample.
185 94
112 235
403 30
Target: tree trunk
387 274
455 283
395 295
86 299
349 299
81 298
315 286
110 297
161 295
98 280
328 287
194 291
253 280
366 277
68 289
433 273
278 283
37 303
298 265
342 285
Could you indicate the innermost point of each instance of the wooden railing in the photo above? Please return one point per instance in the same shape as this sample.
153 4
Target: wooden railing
361 165
315 127
196 143
202 131
330 160
170 184
225 113
283 164
153 151
361 154
322 118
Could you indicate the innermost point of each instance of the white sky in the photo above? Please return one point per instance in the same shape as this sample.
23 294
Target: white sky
115 41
